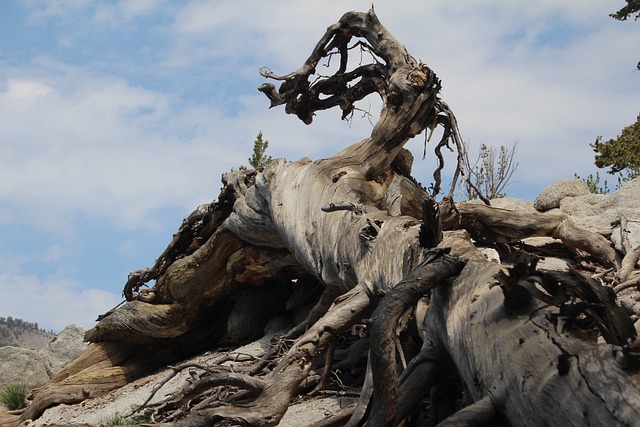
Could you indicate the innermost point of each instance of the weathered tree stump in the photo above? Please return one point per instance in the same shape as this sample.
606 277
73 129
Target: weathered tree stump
527 347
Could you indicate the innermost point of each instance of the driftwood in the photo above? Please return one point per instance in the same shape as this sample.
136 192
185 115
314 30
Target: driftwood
484 342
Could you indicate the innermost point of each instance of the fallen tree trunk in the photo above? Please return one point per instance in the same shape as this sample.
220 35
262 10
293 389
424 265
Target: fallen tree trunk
515 339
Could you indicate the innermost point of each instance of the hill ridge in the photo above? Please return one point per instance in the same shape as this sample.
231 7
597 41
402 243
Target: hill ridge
20 333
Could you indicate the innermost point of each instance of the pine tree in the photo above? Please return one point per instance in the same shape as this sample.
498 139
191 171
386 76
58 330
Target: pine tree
259 160
621 154
632 9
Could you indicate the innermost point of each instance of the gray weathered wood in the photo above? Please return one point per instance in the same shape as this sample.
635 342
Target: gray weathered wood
354 222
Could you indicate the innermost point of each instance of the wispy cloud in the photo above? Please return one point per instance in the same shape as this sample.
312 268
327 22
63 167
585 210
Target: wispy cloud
101 146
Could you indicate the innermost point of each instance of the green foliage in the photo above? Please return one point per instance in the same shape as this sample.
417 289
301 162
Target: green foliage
491 172
140 418
115 420
621 154
594 183
13 396
119 420
632 7
19 323
259 159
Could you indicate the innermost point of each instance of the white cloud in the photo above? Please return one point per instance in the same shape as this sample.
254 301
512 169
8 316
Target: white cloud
26 90
118 12
98 146
42 10
53 303
201 18
124 11
103 147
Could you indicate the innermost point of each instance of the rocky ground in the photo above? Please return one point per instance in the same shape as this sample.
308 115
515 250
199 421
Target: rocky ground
123 402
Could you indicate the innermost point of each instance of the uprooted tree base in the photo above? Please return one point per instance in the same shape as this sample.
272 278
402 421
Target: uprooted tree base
483 341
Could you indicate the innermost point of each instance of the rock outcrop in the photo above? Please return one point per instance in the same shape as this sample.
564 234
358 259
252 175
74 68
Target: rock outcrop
65 347
513 204
32 367
551 195
22 365
603 212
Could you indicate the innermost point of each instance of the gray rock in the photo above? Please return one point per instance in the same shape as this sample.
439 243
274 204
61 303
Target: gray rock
592 211
552 263
278 324
631 301
22 365
490 254
66 347
551 195
600 212
629 190
539 241
548 262
632 230
34 368
513 204
300 314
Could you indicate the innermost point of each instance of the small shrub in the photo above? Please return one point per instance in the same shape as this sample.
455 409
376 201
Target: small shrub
119 420
13 396
114 420
259 159
140 418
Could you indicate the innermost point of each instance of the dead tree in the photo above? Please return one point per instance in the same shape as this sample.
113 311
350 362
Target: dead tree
521 345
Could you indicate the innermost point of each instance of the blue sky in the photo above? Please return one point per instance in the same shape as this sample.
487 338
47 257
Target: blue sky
117 118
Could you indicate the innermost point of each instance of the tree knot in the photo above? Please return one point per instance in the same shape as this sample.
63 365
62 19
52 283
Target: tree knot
419 77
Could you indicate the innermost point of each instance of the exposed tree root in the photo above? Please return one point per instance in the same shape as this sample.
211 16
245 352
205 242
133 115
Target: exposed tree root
337 419
481 413
628 264
487 224
424 371
383 332
269 407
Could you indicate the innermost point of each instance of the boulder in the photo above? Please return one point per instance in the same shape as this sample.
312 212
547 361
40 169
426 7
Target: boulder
551 195
22 365
490 254
593 211
626 201
513 204
632 231
602 212
65 347
33 368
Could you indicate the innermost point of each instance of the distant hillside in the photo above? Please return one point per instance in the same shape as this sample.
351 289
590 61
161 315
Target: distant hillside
18 333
